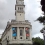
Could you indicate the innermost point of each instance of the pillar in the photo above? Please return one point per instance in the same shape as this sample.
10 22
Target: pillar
24 34
18 33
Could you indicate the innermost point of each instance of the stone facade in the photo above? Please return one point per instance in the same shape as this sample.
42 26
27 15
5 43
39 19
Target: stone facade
18 31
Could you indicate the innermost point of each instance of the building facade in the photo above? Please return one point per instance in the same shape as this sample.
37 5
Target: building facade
18 31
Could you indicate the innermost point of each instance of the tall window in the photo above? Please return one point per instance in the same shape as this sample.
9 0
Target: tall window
14 30
21 32
27 33
20 8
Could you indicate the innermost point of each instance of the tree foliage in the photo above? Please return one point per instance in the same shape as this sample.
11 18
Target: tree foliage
0 39
41 19
42 2
38 41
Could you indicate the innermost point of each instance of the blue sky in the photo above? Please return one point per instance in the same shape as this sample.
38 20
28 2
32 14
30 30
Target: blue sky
32 12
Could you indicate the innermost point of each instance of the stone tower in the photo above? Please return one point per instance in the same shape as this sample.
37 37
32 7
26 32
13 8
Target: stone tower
18 31
19 10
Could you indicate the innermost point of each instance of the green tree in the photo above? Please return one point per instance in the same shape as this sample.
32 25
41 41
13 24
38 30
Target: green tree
0 39
38 41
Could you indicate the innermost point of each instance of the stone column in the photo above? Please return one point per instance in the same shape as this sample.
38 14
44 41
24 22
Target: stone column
24 34
11 34
18 33
30 34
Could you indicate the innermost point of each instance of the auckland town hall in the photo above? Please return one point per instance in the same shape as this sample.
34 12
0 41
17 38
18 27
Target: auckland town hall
18 31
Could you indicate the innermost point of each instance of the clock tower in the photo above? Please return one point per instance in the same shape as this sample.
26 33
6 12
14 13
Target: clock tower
18 31
19 10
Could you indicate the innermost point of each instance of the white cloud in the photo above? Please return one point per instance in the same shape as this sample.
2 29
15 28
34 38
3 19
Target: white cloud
32 12
1 31
3 1
38 35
